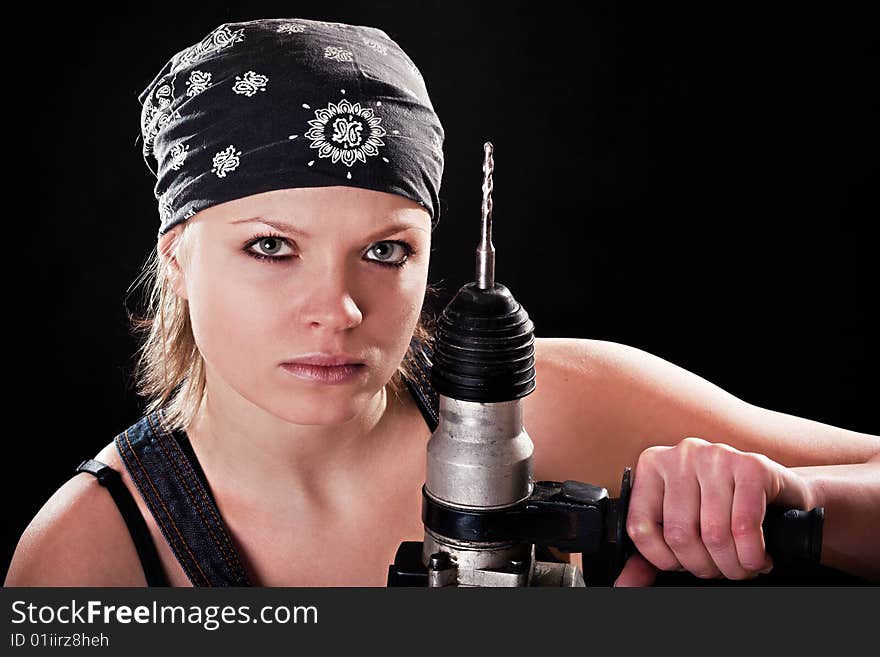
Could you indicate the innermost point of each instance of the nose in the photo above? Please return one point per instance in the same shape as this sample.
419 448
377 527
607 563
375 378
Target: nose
329 302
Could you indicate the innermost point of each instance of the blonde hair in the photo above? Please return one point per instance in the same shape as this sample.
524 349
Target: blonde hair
170 371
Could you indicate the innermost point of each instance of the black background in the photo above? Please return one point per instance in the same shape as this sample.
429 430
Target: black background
694 180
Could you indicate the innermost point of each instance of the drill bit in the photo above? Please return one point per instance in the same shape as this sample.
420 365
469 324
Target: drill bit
486 250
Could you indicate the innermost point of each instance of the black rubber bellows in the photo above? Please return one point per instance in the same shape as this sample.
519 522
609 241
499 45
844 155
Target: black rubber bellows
485 347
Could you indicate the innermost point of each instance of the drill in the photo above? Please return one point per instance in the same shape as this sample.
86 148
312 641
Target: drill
486 520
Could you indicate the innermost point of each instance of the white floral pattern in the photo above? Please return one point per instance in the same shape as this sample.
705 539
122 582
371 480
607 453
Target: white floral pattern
225 161
250 84
346 132
198 82
156 120
157 113
291 28
339 54
163 96
219 38
178 155
165 210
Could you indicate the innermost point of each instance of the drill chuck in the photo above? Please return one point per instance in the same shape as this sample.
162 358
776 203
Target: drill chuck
485 347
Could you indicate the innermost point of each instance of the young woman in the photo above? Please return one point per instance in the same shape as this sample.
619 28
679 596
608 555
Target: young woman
298 167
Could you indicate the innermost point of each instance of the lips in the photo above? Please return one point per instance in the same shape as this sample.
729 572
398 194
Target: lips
325 360
325 373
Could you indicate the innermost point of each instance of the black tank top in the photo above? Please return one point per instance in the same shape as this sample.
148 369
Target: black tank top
169 477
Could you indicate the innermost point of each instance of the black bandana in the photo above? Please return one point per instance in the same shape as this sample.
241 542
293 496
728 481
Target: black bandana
279 103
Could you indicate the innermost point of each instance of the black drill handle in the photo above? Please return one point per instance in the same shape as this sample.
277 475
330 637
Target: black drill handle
792 536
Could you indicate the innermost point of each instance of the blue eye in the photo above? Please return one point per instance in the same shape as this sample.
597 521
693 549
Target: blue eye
379 247
271 242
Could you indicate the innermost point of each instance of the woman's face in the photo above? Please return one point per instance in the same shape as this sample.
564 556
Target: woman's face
332 287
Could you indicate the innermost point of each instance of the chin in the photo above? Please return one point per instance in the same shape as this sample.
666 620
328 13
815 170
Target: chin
325 417
319 408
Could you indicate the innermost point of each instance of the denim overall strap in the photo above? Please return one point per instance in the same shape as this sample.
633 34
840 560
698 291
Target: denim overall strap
186 514
420 384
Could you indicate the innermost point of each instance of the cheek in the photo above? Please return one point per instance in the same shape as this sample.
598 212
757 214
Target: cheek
396 305
229 321
392 315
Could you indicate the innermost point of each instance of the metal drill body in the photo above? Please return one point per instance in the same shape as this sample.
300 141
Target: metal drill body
479 458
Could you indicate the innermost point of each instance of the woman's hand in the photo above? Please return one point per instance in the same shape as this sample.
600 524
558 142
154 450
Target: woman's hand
698 506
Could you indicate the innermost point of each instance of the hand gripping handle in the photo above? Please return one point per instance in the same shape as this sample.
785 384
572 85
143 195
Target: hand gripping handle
792 537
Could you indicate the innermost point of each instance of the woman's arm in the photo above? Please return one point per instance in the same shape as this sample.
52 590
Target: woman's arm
708 462
615 401
851 497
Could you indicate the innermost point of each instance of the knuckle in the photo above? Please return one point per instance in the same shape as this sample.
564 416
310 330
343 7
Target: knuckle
639 528
715 535
743 525
753 468
752 462
678 535
724 454
650 455
691 444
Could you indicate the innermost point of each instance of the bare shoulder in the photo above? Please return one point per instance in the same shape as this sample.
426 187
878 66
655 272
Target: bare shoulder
572 413
78 538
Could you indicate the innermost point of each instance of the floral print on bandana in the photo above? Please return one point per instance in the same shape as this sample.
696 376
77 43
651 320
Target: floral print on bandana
339 54
155 120
226 161
291 28
217 40
163 96
346 132
198 82
178 155
165 209
250 84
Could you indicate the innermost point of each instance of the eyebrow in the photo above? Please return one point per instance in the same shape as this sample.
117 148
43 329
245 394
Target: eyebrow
290 228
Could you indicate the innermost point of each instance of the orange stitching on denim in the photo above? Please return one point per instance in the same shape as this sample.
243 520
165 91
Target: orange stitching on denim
170 518
135 475
242 575
159 435
167 433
